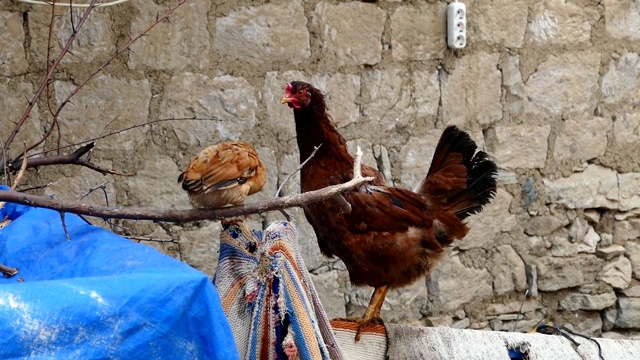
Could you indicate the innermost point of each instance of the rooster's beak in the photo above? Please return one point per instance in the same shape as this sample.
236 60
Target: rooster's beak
286 99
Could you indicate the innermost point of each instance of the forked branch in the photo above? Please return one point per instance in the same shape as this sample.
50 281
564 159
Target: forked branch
181 216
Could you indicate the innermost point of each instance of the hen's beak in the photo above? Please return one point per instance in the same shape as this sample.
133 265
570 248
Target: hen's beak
286 99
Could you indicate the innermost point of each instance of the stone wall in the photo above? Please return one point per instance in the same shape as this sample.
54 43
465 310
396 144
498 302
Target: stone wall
549 88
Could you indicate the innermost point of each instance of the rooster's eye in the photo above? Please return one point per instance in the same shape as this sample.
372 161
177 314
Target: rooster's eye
301 92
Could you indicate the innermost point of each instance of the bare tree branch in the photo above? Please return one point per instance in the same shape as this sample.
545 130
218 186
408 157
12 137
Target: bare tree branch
116 132
47 78
315 150
70 159
181 216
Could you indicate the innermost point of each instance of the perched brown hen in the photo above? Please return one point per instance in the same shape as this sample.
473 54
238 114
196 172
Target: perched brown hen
392 236
223 174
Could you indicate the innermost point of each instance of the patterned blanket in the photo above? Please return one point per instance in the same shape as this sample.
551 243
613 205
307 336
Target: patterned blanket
268 296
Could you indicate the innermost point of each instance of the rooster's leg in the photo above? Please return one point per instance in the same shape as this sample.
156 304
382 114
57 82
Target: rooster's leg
372 314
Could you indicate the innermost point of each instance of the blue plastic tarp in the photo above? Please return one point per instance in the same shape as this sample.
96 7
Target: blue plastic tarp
101 296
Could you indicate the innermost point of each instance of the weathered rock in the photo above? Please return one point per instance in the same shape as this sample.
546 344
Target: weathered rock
605 240
580 139
578 74
544 225
265 33
461 324
555 22
622 81
610 252
629 196
12 57
489 20
418 33
330 293
15 92
521 147
578 301
513 85
616 273
508 270
536 246
592 215
622 19
78 183
341 92
151 187
633 253
475 79
450 293
626 230
227 103
595 187
391 101
528 305
582 239
490 223
632 291
560 273
343 46
200 246
118 103
587 323
439 320
578 230
94 40
624 142
609 316
381 154
416 157
425 93
628 313
180 44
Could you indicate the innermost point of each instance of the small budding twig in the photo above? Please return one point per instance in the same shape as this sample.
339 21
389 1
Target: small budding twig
64 226
315 150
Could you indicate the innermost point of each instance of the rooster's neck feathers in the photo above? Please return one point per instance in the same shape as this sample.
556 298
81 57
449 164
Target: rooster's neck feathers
314 127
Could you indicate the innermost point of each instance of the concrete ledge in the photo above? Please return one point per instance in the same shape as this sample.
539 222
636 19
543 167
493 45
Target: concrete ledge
443 343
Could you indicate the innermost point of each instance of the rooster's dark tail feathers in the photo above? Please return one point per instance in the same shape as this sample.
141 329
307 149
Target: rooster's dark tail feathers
460 180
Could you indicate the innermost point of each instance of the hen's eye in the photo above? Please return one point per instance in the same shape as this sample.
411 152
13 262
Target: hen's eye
301 92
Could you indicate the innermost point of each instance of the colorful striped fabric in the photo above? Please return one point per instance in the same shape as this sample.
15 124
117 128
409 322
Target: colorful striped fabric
268 297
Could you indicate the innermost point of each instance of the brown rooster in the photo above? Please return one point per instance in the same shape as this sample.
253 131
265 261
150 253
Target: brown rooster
392 236
223 174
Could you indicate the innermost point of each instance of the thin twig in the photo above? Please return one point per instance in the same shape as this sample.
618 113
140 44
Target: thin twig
116 132
102 187
315 150
43 2
151 239
116 54
64 226
34 187
23 167
47 77
181 216
70 159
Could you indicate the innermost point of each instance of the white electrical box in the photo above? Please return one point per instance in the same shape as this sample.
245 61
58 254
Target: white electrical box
456 25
